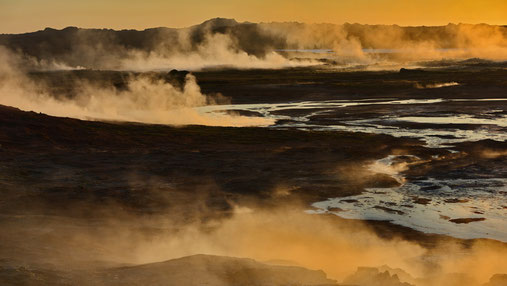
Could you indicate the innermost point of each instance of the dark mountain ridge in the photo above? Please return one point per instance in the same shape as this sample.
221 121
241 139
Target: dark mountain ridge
91 47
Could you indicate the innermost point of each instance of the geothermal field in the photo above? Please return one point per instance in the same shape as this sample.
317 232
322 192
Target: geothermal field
235 153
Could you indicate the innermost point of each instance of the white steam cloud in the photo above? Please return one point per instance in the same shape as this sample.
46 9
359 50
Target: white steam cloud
145 100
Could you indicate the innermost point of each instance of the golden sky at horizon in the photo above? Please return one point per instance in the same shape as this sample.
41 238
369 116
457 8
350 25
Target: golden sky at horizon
18 16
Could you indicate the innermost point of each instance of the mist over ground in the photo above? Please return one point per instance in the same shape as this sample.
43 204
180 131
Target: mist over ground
234 153
226 43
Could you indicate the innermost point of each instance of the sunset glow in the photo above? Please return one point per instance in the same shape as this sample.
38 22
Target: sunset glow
29 15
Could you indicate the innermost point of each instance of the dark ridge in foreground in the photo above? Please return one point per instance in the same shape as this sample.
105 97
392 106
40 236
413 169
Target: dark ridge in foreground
214 270
194 270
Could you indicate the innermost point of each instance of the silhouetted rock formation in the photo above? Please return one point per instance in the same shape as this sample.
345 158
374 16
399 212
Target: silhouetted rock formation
368 276
189 271
95 48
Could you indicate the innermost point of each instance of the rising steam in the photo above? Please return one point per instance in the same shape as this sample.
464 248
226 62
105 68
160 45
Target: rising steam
315 242
227 43
145 99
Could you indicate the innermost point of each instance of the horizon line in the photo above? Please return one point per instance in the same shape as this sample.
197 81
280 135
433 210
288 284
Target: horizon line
245 22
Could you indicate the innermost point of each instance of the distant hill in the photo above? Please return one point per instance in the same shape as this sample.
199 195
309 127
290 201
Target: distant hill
85 47
92 47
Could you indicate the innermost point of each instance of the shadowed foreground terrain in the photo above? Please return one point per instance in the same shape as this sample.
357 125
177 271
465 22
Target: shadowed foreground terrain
192 270
64 179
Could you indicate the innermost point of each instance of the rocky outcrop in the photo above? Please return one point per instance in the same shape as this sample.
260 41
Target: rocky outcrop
369 276
189 271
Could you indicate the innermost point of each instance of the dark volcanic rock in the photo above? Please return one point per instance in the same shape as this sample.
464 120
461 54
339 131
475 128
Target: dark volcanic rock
421 201
466 220
367 276
349 201
177 78
411 71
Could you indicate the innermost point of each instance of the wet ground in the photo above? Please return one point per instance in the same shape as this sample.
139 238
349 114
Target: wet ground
452 117
468 202
438 122
465 208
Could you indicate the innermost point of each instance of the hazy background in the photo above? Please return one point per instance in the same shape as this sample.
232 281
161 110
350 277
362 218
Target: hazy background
17 16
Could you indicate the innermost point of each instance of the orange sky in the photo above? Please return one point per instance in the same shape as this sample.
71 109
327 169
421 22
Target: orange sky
29 15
